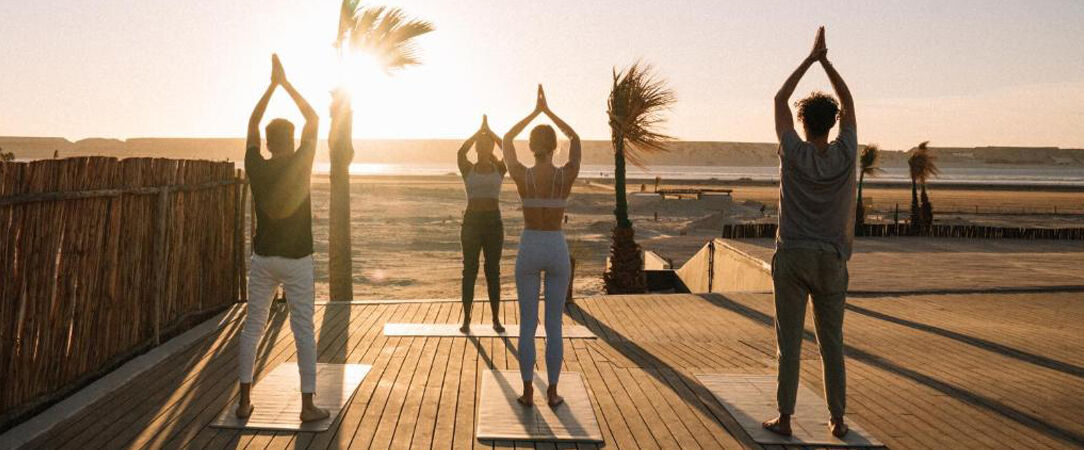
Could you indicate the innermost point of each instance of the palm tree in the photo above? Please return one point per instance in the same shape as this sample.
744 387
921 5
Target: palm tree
870 165
386 35
922 168
637 100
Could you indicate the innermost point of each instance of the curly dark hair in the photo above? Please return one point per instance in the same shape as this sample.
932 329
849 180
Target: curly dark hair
818 112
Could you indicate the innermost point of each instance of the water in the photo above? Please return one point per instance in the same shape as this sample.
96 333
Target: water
1009 175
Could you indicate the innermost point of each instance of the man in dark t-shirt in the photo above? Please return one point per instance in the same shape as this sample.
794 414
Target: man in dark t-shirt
282 242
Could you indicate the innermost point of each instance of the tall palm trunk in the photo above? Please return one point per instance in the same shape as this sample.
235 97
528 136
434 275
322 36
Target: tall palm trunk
340 270
621 208
626 271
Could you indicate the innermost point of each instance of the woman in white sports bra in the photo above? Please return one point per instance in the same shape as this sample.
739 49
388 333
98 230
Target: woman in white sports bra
544 189
483 231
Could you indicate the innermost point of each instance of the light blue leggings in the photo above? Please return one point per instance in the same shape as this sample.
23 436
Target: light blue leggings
541 251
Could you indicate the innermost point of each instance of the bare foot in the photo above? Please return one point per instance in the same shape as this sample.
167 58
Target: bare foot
838 427
465 329
552 398
244 410
312 413
527 399
497 325
779 425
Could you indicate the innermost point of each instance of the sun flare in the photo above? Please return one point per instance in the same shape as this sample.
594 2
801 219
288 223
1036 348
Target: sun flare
361 74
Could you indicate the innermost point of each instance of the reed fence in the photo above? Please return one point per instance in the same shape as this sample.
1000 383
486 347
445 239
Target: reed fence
100 259
767 230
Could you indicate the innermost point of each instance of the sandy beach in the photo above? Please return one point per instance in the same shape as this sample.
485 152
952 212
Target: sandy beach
406 229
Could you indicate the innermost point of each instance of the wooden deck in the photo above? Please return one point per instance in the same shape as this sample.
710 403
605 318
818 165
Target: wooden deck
948 371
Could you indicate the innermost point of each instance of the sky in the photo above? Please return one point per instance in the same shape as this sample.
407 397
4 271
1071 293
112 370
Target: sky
959 73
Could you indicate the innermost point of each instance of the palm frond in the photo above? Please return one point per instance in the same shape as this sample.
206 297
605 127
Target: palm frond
346 20
922 163
870 160
387 34
636 106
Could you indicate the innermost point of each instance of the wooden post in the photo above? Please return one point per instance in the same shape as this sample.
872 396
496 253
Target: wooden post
160 254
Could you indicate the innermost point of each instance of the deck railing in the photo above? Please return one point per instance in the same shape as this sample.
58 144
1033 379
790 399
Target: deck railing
101 259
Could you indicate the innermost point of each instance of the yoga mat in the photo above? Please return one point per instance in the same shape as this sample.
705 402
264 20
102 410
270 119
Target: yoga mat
750 399
277 398
501 417
476 329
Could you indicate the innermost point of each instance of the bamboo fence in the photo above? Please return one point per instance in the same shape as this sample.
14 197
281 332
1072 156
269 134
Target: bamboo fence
767 230
101 258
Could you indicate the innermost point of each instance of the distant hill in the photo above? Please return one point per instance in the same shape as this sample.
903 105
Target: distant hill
443 151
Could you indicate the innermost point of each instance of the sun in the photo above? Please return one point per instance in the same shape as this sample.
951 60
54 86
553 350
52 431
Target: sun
361 74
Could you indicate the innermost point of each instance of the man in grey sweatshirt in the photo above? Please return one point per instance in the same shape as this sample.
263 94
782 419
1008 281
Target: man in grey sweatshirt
816 232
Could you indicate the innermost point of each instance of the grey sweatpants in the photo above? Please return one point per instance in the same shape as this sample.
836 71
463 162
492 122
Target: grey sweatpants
799 273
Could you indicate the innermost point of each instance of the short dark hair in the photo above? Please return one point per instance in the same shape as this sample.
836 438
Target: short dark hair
543 139
818 112
279 129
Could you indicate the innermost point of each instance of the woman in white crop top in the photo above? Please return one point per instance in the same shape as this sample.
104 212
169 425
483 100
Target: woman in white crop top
483 231
544 189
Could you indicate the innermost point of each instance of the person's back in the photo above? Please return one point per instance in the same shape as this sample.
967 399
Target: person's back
817 192
816 232
280 191
282 243
544 189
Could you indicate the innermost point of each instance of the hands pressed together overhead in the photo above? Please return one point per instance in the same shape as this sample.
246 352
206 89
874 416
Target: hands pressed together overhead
484 130
278 74
820 48
541 105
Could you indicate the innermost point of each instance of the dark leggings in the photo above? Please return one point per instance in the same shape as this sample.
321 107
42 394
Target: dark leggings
483 232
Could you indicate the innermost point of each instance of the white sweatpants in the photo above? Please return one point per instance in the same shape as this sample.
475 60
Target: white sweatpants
266 273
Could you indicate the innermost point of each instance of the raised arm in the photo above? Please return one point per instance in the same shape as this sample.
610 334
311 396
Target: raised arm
312 120
515 169
846 116
252 143
461 156
572 167
784 120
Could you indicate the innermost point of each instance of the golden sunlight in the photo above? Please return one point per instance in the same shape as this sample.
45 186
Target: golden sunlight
362 75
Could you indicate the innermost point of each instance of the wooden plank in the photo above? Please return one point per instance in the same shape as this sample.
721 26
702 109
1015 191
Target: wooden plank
369 397
223 389
281 405
404 431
